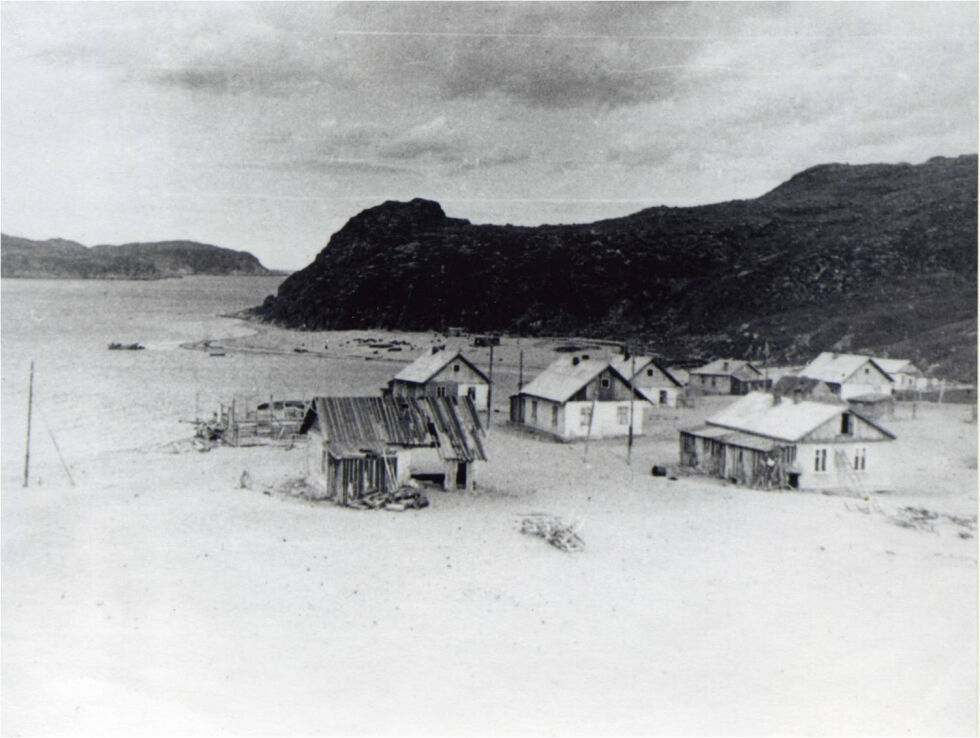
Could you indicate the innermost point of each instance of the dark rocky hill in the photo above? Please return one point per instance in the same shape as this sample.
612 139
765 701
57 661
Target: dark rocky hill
880 258
56 258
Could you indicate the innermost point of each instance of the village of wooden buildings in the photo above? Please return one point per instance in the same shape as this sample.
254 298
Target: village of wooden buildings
820 426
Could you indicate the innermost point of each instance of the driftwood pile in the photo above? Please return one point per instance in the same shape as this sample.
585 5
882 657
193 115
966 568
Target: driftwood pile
405 497
554 531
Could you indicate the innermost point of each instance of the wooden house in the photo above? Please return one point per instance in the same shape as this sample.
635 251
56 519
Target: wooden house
364 444
441 373
908 377
849 374
577 398
794 387
726 377
652 380
766 441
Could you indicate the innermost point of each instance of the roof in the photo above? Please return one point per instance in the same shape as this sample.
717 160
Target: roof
789 383
832 367
786 421
624 365
871 397
897 366
426 366
355 425
563 378
733 438
725 367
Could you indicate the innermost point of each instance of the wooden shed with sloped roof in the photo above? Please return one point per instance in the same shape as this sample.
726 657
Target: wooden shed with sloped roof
364 444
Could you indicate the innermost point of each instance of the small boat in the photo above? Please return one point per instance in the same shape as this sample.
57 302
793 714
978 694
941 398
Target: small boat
126 346
217 353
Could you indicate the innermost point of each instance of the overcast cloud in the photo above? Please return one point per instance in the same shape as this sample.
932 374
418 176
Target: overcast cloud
265 126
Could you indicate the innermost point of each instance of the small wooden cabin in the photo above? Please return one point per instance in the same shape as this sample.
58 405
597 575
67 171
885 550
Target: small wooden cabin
364 444
441 373
765 441
726 377
577 398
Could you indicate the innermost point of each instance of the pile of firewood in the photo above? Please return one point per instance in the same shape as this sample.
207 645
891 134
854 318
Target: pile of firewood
554 531
404 498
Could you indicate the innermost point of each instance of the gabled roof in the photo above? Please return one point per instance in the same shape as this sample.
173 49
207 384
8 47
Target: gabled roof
624 365
354 425
564 377
898 366
837 368
426 366
756 413
725 367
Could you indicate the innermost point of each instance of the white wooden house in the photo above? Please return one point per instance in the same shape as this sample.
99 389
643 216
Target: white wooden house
652 380
577 398
907 376
441 373
850 375
764 440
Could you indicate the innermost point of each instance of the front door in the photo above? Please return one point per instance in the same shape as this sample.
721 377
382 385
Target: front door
461 475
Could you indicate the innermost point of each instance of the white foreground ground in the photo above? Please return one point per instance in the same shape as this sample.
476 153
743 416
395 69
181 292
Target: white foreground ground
157 597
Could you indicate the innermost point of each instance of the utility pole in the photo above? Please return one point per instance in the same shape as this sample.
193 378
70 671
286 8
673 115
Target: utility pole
27 446
629 442
520 372
490 388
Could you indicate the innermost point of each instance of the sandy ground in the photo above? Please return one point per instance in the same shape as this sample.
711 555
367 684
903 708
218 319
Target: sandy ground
158 597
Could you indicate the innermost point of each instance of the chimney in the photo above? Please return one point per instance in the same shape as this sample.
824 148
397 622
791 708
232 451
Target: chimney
585 357
435 350
724 366
797 395
575 361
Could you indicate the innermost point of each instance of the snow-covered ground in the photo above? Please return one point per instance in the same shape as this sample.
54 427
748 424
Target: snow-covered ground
157 597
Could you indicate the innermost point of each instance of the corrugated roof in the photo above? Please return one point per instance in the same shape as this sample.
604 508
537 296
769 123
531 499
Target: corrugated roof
426 366
831 367
353 425
727 367
624 365
786 421
734 438
563 378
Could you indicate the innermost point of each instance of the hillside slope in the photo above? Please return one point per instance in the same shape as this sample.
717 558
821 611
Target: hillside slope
57 258
839 257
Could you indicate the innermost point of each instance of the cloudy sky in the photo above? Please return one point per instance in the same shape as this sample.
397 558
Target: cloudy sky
265 126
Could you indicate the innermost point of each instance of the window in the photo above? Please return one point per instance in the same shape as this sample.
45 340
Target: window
712 381
471 393
860 459
846 424
649 372
663 397
820 460
554 416
585 417
534 410
604 382
455 367
441 392
622 415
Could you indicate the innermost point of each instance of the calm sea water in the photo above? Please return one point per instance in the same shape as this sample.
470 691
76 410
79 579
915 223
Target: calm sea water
94 401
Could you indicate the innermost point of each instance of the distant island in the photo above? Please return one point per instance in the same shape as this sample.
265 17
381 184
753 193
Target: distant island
60 259
879 258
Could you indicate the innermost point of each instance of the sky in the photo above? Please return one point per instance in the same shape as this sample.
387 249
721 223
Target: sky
266 126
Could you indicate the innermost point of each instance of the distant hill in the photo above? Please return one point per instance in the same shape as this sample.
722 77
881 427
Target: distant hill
878 258
60 259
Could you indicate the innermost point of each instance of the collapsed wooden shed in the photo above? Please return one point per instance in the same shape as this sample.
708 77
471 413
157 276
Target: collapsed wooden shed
360 445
